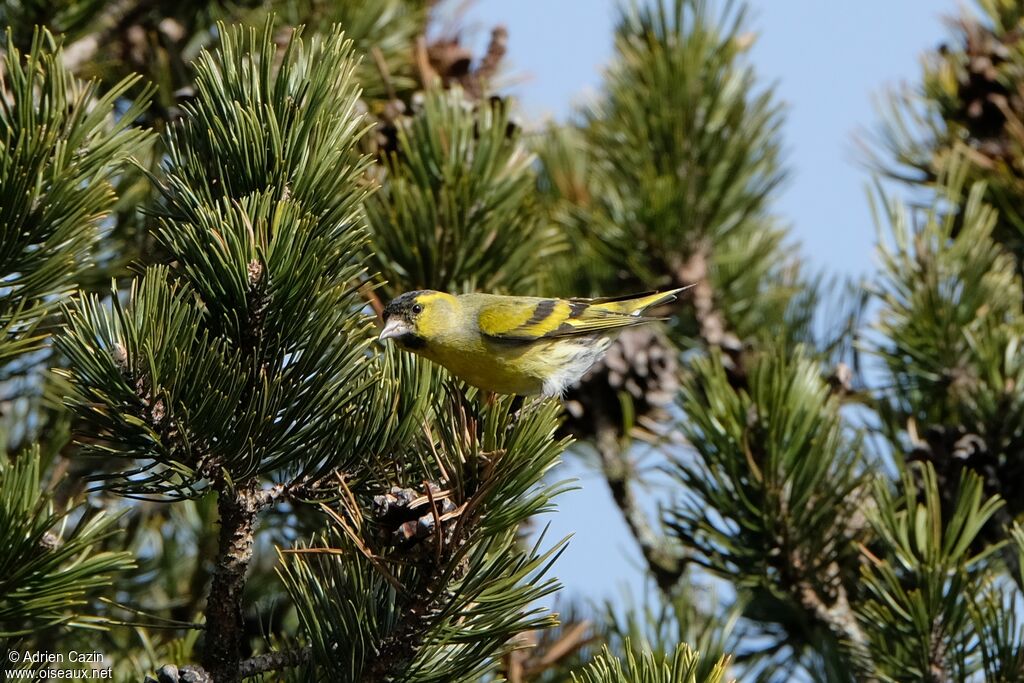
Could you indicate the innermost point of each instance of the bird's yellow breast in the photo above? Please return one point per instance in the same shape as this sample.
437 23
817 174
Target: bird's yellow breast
511 369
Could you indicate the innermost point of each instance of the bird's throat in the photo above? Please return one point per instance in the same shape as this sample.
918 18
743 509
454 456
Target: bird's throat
412 341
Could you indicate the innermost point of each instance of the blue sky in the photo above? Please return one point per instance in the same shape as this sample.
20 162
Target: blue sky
831 60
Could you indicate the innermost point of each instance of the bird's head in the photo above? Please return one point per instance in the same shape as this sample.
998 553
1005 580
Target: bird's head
411 319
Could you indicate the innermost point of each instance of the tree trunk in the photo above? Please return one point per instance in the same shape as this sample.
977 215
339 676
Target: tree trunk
222 655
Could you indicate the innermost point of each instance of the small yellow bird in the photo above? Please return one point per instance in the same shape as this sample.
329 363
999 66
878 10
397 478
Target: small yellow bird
514 344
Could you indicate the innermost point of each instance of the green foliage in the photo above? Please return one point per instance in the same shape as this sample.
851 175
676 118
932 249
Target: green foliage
139 370
581 197
59 145
691 615
67 17
771 486
995 618
280 124
951 327
51 562
950 295
251 356
668 178
684 123
242 356
382 32
922 590
967 107
442 611
677 159
780 449
1000 634
455 211
681 667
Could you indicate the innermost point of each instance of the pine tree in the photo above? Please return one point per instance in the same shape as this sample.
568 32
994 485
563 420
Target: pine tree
786 453
59 141
195 247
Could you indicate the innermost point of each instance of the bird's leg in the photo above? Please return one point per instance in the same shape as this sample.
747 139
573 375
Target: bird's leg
490 399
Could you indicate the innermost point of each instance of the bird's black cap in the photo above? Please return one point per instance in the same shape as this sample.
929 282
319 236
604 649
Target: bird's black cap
402 304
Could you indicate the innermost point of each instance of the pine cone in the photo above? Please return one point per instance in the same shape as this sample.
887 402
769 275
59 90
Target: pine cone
408 521
640 364
983 99
453 62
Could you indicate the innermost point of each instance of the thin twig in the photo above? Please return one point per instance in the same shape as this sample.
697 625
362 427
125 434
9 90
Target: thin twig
385 72
168 623
438 531
360 545
368 292
254 666
428 77
665 566
274 661
573 639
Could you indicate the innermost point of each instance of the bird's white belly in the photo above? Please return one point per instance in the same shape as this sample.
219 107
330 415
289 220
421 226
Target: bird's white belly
574 361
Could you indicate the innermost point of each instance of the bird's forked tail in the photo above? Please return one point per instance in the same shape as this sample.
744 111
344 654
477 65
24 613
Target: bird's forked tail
636 304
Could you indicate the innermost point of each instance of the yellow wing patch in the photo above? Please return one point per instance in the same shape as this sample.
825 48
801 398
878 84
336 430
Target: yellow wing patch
521 317
533 319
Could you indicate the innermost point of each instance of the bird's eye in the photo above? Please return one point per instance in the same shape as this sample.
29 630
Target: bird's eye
417 309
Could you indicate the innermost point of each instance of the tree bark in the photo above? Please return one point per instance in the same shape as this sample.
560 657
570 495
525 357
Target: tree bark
665 566
225 631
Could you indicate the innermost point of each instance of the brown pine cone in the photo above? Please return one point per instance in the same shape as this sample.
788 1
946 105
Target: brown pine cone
640 366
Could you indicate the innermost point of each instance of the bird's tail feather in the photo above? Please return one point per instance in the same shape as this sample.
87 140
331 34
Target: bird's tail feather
636 304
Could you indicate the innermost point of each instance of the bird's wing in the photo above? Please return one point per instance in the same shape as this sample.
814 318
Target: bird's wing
634 304
525 320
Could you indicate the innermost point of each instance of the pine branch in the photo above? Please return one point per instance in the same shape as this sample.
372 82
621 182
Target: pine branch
50 565
429 584
681 152
695 270
952 294
247 668
714 331
382 32
772 490
59 145
418 613
681 666
964 111
454 212
273 661
917 588
238 509
665 565
249 357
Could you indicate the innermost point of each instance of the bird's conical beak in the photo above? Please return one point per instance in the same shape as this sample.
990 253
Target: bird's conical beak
395 327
